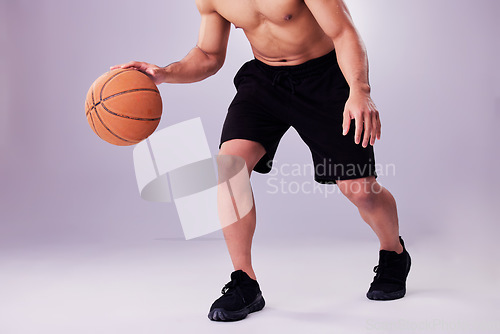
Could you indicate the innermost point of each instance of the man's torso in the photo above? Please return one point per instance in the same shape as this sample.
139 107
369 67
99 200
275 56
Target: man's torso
281 32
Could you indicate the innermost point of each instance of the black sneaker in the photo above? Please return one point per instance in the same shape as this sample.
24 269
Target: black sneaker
390 279
239 297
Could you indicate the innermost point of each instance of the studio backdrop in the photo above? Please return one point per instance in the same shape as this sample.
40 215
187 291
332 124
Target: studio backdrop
434 77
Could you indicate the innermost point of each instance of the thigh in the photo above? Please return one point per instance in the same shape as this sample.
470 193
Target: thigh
319 123
255 115
337 157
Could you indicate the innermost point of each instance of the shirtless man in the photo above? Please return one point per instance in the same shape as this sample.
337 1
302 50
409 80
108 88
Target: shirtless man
311 72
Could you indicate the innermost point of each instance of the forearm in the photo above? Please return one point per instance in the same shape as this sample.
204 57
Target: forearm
352 59
196 66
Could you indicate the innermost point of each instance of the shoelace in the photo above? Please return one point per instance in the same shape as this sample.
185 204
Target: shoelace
232 287
382 274
228 287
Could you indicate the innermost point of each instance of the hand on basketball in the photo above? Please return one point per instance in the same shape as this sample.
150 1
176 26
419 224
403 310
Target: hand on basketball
361 108
156 73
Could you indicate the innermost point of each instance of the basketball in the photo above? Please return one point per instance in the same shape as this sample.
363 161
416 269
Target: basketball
123 106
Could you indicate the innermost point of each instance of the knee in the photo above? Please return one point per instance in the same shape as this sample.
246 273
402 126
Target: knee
361 192
229 165
242 150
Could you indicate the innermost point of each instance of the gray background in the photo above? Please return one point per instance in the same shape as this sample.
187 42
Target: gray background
81 252
435 81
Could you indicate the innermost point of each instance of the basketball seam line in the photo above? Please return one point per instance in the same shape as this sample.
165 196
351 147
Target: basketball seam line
128 117
101 100
102 122
94 105
114 134
131 91
90 112
111 78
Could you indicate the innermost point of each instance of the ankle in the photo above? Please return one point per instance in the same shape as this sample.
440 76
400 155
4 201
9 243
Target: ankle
398 248
247 269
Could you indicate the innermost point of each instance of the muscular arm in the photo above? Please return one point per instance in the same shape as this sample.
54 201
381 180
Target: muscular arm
335 20
204 60
207 57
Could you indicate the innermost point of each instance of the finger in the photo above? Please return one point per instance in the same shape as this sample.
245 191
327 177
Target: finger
130 64
375 128
359 129
116 66
346 123
368 130
379 131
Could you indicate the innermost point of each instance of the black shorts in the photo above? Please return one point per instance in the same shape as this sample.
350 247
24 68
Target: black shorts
310 97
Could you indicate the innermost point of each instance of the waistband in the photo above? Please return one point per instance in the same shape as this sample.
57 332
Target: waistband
311 66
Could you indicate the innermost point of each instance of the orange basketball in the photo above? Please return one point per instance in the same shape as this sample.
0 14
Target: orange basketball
123 106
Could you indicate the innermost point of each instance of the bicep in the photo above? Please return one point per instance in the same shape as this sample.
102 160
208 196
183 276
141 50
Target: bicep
214 32
332 16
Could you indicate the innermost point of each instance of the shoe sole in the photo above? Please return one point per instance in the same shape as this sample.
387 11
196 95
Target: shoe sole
220 314
381 295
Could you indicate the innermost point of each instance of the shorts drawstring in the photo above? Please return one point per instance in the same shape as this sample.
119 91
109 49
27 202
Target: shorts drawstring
287 76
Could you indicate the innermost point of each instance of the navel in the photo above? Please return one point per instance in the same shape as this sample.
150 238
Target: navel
288 17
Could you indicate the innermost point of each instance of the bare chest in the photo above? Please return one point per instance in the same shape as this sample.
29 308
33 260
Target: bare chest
249 14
